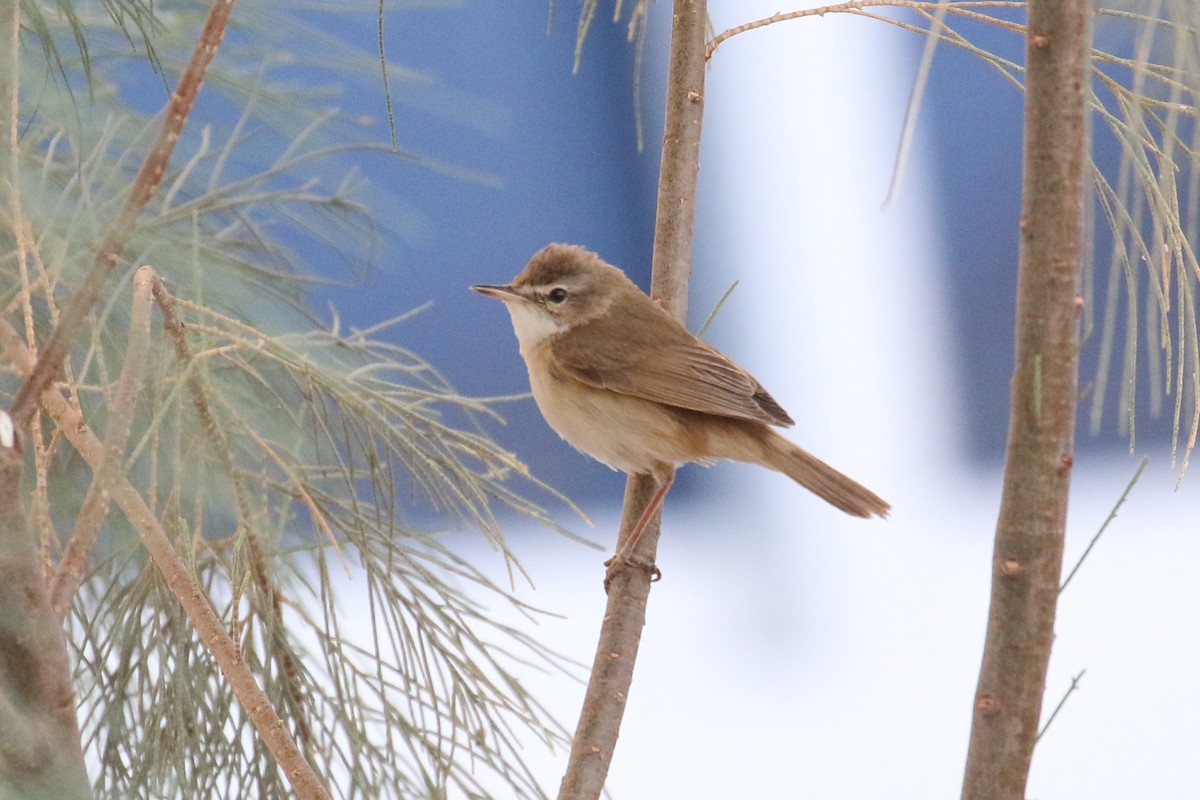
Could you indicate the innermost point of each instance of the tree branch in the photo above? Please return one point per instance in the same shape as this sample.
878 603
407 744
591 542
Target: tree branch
858 5
1027 560
303 779
625 616
40 752
120 421
271 605
50 362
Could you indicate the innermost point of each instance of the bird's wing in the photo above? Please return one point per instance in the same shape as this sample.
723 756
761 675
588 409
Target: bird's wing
674 367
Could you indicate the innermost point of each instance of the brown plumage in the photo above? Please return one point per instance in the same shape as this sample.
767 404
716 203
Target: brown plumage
621 380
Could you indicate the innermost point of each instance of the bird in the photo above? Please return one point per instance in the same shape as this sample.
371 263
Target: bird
622 381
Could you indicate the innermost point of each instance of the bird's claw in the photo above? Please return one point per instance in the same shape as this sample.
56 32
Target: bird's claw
619 562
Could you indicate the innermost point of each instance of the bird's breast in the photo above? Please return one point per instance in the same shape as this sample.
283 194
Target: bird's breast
630 434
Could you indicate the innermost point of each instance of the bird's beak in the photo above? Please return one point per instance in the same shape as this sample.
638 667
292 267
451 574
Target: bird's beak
499 292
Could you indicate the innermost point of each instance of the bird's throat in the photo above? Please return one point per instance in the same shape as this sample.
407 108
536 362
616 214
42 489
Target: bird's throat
532 324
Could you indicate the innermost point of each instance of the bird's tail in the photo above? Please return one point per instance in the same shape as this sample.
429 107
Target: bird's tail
776 452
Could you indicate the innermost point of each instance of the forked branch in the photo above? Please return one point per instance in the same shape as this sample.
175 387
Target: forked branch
254 701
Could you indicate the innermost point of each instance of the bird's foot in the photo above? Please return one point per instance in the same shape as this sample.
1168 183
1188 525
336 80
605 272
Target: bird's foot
620 561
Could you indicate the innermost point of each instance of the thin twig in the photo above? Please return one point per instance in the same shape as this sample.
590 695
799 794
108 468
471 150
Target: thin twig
383 72
23 241
1140 113
913 109
219 444
716 310
16 206
855 5
95 507
1062 702
50 362
191 597
620 634
1111 516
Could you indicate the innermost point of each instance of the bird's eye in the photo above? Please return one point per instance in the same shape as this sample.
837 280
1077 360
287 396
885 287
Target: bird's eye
557 295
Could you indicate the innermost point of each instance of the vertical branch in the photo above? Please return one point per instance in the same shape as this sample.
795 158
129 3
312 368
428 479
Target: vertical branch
676 210
40 752
612 671
23 242
1027 559
51 360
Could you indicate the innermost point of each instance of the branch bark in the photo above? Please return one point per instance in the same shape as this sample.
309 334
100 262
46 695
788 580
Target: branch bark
40 753
74 561
1027 559
620 634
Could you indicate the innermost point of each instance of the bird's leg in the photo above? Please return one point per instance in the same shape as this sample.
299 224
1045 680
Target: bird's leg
624 555
636 534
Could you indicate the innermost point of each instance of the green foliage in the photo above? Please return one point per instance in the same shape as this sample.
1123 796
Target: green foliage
1147 93
324 435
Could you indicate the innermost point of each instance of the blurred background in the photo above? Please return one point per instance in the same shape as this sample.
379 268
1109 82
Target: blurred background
789 651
